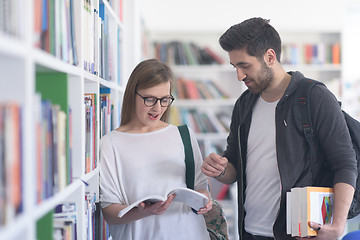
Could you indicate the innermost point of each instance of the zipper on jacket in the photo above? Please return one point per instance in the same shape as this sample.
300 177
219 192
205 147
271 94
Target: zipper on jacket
241 220
284 121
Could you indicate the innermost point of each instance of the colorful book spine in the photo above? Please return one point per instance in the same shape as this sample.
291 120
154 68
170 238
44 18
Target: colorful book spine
91 123
11 165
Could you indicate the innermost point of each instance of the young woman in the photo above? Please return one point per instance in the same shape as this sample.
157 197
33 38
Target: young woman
145 156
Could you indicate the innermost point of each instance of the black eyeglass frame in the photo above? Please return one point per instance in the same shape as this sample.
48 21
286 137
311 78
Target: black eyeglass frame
157 99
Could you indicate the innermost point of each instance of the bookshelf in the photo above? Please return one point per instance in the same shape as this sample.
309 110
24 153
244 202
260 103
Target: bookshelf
317 54
52 53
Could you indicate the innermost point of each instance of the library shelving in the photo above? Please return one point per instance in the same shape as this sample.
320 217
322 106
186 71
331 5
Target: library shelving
63 73
317 54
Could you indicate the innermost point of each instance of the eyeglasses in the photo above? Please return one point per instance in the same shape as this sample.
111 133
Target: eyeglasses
151 101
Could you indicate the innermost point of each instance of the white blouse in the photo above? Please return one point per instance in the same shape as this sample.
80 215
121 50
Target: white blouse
134 165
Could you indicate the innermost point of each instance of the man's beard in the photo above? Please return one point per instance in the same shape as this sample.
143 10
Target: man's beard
265 78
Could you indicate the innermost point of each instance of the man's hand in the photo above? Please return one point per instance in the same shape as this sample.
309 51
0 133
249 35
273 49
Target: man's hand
324 232
214 165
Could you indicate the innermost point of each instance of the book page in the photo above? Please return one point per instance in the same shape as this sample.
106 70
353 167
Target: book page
288 213
295 212
148 199
190 197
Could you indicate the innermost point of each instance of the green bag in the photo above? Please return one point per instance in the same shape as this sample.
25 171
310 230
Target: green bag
215 219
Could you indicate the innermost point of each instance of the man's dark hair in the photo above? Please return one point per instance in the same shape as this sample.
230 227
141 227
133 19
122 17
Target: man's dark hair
254 34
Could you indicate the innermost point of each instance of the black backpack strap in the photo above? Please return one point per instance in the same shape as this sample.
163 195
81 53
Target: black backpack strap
189 156
303 97
303 93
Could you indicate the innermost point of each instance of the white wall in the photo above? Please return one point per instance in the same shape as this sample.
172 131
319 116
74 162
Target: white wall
218 15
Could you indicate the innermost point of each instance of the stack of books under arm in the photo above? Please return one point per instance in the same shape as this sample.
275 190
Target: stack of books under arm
308 204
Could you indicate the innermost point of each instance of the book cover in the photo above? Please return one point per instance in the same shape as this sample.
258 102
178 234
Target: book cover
180 92
92 123
336 53
214 55
45 227
61 150
203 90
190 197
191 89
317 204
37 22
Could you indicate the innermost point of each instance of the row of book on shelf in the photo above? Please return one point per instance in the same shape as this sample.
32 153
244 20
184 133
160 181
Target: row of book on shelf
61 222
91 124
55 32
53 152
53 118
318 53
201 120
185 53
106 43
54 29
53 158
198 89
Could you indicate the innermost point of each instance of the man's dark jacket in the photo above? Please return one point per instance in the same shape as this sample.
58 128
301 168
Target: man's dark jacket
335 159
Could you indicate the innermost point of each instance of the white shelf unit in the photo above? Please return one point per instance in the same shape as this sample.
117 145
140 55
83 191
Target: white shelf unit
319 65
20 63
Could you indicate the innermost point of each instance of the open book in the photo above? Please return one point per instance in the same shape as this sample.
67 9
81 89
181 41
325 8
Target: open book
308 204
190 197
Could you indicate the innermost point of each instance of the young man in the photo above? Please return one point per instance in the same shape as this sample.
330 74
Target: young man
266 152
